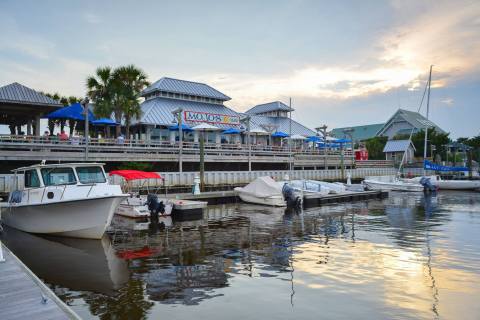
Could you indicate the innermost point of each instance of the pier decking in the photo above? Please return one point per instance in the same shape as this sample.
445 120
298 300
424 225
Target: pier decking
24 296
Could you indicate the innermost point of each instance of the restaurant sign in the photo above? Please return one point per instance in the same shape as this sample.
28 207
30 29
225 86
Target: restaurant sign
195 116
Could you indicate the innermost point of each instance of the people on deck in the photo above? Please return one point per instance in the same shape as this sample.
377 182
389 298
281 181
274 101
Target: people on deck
121 139
63 136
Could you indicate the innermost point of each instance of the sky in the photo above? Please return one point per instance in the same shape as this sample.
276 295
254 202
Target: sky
343 63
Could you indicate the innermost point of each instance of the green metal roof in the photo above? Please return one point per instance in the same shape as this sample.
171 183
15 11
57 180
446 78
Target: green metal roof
359 132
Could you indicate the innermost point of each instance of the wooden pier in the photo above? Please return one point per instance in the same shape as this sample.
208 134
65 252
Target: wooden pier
24 296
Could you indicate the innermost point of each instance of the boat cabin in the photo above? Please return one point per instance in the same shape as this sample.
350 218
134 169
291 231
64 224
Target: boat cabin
58 182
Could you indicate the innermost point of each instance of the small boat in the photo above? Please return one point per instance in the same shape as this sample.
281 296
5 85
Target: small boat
391 183
263 190
71 200
136 205
308 187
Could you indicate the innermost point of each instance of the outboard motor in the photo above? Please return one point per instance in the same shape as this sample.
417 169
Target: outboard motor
154 206
427 185
290 196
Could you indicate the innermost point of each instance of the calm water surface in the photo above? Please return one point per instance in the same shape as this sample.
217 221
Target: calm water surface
406 257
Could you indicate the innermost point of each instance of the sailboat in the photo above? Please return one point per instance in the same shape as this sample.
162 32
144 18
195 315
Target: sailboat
436 180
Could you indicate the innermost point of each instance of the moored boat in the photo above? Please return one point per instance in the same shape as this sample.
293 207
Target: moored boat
72 200
389 183
263 190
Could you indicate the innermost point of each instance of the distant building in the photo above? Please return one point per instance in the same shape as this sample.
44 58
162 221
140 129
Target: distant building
360 133
394 150
403 121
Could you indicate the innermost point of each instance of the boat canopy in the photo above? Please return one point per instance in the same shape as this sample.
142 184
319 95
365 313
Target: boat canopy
263 187
427 165
135 174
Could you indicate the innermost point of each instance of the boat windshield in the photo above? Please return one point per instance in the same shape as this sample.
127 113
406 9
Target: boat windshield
58 176
90 175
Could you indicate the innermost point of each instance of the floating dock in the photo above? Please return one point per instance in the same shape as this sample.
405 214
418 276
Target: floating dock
220 197
24 296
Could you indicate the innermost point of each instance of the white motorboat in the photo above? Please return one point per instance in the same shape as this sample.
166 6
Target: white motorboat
263 190
135 206
308 186
391 183
72 200
442 184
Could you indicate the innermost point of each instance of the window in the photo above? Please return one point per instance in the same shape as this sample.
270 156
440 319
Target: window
31 179
90 175
58 176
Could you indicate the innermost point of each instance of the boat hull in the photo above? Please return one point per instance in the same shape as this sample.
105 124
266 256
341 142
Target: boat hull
139 212
82 218
457 184
275 201
387 186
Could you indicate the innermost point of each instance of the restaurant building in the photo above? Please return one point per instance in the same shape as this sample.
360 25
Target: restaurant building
199 103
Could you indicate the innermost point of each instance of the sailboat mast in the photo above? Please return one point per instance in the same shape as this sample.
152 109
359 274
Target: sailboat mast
426 124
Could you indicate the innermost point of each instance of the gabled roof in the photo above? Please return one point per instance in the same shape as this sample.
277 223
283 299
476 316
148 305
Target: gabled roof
185 87
359 132
267 107
16 93
158 111
397 145
282 124
415 119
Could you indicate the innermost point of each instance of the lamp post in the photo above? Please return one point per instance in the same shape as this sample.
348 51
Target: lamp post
246 120
85 103
178 114
323 130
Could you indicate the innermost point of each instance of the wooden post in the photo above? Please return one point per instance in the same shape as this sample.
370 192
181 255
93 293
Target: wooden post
202 161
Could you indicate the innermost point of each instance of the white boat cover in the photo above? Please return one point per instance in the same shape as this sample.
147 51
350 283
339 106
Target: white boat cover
263 187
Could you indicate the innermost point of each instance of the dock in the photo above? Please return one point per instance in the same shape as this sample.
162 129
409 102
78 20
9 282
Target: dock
24 296
309 200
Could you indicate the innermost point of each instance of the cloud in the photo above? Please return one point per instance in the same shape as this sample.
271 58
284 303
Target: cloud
447 101
445 35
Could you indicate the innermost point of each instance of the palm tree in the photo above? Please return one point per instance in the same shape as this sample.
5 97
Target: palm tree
101 89
129 83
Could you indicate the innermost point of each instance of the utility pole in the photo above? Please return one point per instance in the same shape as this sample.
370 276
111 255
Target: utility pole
202 161
246 120
85 103
348 132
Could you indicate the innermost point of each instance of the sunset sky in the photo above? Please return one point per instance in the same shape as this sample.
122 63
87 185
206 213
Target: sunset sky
343 63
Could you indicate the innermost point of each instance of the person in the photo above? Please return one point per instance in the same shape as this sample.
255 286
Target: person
46 135
63 136
120 139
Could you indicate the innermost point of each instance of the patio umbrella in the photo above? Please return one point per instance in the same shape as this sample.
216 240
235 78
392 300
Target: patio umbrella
231 131
176 128
205 126
313 139
297 137
258 131
74 112
280 134
104 122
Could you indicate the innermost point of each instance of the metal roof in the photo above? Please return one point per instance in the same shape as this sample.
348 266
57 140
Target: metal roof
397 145
158 111
415 119
19 94
270 106
359 132
185 87
282 124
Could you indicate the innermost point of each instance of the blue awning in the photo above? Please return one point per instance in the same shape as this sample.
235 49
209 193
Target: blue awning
313 139
176 128
74 112
280 134
104 122
231 131
342 141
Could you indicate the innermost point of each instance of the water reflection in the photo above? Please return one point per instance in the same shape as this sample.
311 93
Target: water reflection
408 256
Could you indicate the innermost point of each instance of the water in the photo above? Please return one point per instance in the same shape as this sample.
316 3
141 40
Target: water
406 257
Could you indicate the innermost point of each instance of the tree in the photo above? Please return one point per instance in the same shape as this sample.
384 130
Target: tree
66 101
129 83
375 147
101 90
439 140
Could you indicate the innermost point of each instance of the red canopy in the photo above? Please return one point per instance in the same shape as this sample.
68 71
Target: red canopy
135 174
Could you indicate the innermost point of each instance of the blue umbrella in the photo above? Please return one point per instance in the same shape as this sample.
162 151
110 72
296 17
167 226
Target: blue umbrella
231 131
74 112
104 121
184 128
313 139
280 134
342 141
